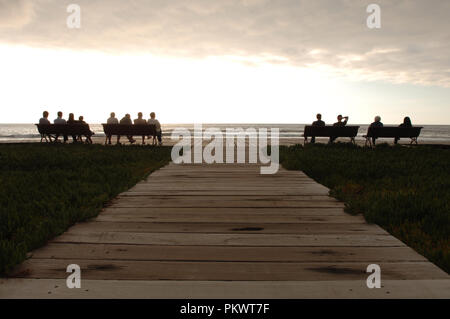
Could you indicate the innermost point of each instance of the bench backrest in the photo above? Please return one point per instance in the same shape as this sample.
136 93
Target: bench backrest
394 131
64 129
328 131
129 130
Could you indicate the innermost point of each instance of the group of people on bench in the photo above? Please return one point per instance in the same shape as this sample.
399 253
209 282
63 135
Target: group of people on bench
71 120
342 121
126 120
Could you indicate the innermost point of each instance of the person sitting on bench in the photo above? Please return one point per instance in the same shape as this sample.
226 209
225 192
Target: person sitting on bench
153 121
339 123
88 137
140 121
71 120
406 123
60 120
319 122
44 120
126 120
112 120
377 123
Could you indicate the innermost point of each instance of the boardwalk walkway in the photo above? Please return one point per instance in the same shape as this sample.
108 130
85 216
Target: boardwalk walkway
225 231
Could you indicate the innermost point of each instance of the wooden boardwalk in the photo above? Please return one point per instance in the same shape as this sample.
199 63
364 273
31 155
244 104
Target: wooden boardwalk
226 231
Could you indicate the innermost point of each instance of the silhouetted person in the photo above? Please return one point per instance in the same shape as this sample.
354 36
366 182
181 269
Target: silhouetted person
61 121
376 123
319 122
44 119
153 121
112 120
71 121
339 123
126 120
88 136
406 123
140 121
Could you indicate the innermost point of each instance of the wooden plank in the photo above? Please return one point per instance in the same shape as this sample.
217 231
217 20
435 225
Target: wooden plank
217 218
180 239
196 187
216 211
188 290
230 179
138 202
224 228
232 198
226 253
278 271
231 192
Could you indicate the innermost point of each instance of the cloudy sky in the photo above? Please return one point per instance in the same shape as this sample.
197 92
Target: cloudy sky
264 61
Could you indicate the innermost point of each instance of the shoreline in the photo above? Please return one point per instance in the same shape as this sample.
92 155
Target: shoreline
285 141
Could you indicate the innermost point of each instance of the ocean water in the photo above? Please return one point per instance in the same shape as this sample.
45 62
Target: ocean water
28 132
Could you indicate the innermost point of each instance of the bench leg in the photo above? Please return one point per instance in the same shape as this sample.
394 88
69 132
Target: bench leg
352 139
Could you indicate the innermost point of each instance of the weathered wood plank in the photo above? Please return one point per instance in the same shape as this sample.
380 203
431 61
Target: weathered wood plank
216 211
180 239
226 253
174 289
231 192
278 271
224 228
233 198
217 218
139 202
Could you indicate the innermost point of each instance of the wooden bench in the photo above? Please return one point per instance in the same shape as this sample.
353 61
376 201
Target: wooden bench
395 132
129 130
49 131
331 131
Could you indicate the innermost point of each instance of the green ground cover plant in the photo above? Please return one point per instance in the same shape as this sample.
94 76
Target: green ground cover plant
405 190
44 189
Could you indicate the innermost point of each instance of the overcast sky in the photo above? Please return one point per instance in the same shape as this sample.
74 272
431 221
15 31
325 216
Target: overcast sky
227 60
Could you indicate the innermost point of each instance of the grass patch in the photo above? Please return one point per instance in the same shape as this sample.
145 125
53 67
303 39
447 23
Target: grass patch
405 190
44 189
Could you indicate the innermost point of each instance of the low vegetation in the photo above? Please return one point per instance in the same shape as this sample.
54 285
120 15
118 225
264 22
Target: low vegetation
405 190
44 189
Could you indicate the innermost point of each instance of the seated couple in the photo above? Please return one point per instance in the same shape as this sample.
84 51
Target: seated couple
319 122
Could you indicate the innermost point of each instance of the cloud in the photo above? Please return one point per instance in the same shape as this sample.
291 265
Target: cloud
413 45
15 14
